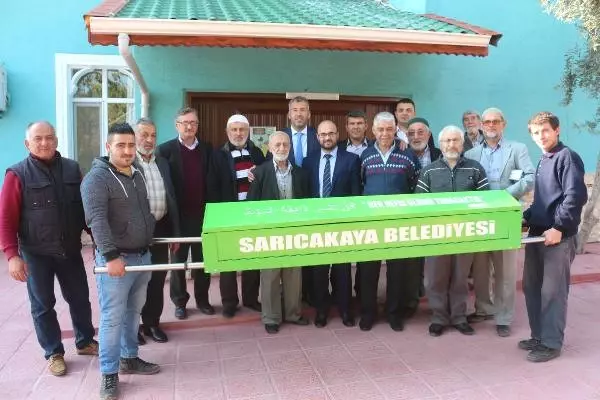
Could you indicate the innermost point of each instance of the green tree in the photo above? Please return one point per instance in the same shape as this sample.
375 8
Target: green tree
582 71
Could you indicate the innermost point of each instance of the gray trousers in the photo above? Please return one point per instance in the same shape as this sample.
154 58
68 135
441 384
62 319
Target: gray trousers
447 288
272 283
546 280
501 301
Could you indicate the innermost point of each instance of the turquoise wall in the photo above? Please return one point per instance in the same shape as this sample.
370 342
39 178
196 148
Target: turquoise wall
30 34
519 76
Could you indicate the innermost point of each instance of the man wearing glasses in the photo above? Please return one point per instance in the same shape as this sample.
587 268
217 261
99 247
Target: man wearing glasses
188 161
508 167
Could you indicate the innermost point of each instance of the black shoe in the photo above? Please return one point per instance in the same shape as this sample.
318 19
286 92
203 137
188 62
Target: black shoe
180 313
254 306
157 334
475 318
348 320
321 320
229 312
436 330
365 324
396 323
464 328
272 328
109 387
206 308
141 338
137 366
542 353
300 321
529 344
503 330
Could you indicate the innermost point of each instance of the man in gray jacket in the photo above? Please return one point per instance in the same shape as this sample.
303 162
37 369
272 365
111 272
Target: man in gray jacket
117 210
508 167
446 276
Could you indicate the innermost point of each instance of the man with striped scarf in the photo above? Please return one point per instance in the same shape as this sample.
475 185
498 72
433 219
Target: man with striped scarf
228 181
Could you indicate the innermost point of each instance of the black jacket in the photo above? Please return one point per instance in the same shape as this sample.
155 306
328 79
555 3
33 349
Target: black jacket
222 179
438 177
264 186
346 174
172 153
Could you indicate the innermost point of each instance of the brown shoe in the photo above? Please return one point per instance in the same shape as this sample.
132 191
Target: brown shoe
90 349
56 365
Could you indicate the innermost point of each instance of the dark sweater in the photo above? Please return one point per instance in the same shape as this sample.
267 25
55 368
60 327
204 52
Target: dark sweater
193 182
560 193
397 176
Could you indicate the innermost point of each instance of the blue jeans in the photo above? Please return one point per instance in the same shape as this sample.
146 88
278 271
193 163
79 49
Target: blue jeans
70 273
121 301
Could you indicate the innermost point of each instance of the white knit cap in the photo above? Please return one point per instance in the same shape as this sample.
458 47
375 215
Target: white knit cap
237 118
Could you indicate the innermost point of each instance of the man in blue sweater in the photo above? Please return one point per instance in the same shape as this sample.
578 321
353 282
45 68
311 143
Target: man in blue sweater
386 169
559 196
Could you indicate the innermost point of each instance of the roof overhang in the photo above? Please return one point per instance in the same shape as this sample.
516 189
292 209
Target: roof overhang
104 28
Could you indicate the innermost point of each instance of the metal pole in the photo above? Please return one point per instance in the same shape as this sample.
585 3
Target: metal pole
199 265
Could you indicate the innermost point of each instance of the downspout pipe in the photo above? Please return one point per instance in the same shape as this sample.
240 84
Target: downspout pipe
125 51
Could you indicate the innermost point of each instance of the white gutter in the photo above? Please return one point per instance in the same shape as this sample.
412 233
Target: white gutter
125 52
169 27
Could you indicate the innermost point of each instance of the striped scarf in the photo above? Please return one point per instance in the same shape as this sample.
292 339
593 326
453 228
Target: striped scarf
242 162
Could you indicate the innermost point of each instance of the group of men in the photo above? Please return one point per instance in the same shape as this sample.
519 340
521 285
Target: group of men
140 191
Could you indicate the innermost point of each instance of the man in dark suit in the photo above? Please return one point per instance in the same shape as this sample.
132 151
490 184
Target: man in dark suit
274 180
228 181
189 159
303 138
303 142
163 207
333 172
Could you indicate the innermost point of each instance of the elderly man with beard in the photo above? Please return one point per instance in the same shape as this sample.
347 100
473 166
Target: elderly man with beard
473 133
275 180
446 276
508 167
228 181
163 207
419 141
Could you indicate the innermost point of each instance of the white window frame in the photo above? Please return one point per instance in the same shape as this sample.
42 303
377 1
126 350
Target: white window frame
64 63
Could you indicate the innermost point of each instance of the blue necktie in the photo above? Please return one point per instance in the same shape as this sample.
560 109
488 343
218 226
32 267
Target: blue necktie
298 149
327 176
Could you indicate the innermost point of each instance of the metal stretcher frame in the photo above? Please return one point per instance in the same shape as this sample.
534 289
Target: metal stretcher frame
199 265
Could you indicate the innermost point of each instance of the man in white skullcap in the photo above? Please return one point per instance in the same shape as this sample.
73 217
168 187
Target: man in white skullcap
228 181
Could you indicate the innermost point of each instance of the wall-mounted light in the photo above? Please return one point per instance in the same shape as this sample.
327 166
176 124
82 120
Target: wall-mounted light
313 95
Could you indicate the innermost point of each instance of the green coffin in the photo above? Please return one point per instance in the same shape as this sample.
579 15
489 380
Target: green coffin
290 233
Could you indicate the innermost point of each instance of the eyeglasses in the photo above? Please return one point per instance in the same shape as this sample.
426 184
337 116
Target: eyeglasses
494 122
188 123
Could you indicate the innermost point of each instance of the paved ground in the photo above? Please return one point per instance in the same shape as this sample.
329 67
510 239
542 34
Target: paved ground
210 358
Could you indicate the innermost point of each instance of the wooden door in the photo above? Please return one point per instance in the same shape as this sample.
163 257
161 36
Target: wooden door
271 110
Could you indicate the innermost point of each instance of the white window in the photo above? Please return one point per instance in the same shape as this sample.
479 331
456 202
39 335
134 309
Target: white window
92 93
